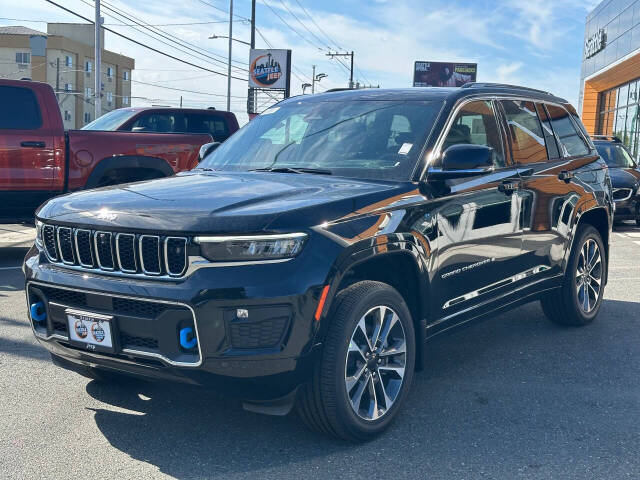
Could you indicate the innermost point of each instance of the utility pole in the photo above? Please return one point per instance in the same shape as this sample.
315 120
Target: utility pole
253 23
58 79
230 48
180 101
252 99
313 81
98 60
333 55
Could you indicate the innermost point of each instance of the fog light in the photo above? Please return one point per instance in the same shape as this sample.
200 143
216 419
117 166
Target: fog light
38 312
188 339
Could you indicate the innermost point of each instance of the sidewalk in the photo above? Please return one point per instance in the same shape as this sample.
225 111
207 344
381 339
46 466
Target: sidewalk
16 235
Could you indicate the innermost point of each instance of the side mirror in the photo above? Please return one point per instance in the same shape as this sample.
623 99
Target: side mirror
206 149
464 160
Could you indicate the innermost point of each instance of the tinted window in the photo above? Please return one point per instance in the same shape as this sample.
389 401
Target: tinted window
476 124
20 109
111 121
161 122
549 138
202 123
527 138
362 139
570 141
615 155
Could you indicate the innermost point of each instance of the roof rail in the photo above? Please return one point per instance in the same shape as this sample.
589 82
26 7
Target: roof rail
503 85
606 137
339 89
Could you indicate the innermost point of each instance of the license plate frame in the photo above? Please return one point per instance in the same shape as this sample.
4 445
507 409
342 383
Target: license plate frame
91 331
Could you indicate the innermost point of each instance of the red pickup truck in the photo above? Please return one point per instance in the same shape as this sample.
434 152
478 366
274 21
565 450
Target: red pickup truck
39 160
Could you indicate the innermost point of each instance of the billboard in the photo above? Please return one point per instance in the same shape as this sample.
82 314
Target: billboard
443 74
270 69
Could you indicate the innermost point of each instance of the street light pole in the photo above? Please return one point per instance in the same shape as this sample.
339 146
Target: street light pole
230 48
313 81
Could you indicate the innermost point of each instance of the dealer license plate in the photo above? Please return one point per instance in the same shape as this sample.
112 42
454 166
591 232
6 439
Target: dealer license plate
91 331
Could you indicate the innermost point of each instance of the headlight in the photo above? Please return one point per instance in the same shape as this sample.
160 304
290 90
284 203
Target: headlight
251 248
39 226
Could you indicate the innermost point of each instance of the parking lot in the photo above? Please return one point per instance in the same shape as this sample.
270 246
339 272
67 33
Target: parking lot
513 397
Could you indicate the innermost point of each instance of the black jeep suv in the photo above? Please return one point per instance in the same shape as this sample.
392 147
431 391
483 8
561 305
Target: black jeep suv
308 258
625 177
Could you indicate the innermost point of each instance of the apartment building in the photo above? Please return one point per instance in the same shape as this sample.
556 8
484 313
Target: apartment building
64 58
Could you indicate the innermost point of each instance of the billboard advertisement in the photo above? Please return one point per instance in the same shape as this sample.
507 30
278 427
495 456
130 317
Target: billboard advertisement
443 74
270 69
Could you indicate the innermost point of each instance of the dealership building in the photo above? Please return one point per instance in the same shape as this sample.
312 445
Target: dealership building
610 77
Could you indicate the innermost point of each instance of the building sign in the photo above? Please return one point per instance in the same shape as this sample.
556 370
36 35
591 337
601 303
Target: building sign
443 74
595 43
270 69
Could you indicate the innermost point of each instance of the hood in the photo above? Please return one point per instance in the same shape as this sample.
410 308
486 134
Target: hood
624 177
198 202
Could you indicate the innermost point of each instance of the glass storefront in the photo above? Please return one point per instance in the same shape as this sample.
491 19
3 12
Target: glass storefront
619 115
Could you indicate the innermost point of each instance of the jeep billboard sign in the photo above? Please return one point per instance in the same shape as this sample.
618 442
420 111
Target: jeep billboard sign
269 69
443 74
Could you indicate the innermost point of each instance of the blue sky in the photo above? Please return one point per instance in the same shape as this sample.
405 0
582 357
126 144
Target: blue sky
533 43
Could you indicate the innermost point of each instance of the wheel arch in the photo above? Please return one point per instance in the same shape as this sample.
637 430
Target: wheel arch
127 162
599 219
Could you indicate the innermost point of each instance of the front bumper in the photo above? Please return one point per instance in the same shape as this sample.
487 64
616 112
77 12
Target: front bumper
628 209
260 357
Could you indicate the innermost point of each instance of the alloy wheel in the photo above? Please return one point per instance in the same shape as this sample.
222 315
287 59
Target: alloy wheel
589 275
376 362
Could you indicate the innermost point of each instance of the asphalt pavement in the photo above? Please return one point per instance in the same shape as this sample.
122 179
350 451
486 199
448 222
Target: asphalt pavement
512 397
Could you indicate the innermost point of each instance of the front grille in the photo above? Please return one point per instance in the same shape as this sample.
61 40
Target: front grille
262 334
121 252
620 194
129 341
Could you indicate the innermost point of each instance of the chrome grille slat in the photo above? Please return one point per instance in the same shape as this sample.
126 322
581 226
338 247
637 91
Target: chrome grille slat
119 253
104 250
126 252
150 261
175 255
65 245
84 251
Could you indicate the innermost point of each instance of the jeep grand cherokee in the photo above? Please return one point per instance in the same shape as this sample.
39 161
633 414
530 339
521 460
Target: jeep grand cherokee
308 259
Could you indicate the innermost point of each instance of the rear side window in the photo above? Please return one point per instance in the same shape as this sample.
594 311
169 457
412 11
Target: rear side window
570 141
549 138
527 137
212 124
163 122
19 109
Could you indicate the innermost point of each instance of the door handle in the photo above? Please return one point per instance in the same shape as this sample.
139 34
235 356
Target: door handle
508 187
32 144
566 176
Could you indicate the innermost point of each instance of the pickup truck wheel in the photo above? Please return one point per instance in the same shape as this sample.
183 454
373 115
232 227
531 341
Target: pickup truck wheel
578 302
366 367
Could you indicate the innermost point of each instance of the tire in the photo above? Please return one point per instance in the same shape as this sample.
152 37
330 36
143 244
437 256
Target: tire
325 404
567 305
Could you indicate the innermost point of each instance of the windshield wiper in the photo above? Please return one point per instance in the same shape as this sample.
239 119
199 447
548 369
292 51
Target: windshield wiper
317 171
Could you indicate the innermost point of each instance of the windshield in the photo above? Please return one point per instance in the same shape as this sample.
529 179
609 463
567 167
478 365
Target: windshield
615 155
110 121
362 139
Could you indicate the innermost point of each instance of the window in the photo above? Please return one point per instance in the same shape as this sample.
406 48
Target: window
20 110
88 66
109 98
125 75
68 87
68 61
109 72
23 57
476 124
527 138
549 137
67 116
570 141
87 117
168 122
88 92
125 100
213 124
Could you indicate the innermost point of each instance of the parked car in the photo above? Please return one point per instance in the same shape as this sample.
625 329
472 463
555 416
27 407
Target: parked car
625 177
220 125
39 160
309 258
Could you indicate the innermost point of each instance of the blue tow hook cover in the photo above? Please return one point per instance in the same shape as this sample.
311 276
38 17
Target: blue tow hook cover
187 338
38 312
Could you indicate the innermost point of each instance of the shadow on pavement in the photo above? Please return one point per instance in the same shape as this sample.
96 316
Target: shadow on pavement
11 276
513 392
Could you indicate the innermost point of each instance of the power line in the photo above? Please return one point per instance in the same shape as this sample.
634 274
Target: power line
289 26
224 11
125 24
142 44
318 26
303 25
